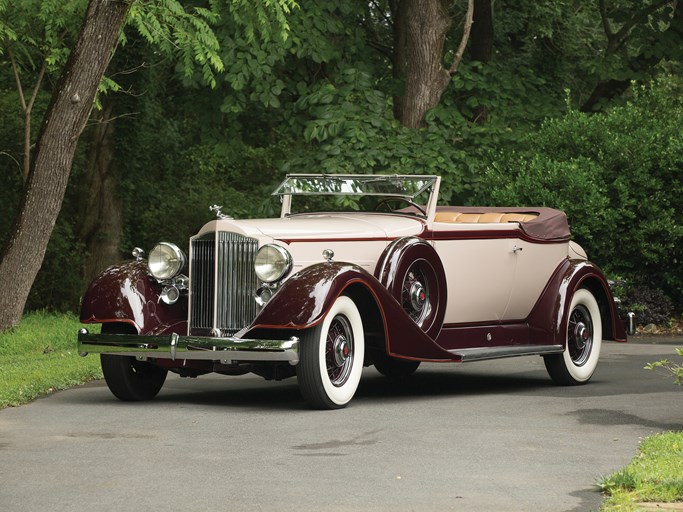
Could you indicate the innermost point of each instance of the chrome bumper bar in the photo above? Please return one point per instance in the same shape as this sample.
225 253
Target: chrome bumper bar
174 346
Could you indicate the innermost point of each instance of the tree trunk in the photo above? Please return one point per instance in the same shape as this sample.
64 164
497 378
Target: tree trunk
481 47
101 218
426 23
420 28
63 123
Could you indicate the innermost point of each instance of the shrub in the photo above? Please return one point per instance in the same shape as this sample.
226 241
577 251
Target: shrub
618 177
669 368
650 305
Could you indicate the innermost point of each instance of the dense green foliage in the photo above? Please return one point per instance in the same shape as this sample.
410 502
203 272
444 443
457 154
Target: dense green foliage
618 177
40 357
213 102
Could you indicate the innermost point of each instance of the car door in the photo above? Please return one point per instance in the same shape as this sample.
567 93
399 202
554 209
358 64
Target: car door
534 265
480 270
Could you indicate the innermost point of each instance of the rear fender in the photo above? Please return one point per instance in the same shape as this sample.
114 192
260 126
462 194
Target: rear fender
548 319
305 298
126 293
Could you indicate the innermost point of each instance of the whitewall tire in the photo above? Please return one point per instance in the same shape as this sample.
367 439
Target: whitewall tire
577 363
331 357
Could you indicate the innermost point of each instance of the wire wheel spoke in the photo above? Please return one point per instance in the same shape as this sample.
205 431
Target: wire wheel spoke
339 351
415 293
580 335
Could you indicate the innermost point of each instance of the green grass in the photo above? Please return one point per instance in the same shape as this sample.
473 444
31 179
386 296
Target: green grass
40 356
654 475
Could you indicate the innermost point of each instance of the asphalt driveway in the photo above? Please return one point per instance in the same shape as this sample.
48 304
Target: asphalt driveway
486 436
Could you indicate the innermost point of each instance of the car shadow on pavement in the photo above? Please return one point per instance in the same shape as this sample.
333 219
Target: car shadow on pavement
285 394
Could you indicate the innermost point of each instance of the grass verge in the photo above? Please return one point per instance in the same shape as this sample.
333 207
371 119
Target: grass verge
654 476
40 356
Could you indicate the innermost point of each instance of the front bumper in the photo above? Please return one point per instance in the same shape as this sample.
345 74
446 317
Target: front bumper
174 346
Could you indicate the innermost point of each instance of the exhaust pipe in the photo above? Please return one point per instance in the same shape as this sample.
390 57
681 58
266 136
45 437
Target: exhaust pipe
631 323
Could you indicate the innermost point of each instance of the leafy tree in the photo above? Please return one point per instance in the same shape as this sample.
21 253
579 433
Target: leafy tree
35 37
66 115
64 120
637 39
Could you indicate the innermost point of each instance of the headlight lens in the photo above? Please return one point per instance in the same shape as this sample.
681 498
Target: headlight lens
272 263
166 261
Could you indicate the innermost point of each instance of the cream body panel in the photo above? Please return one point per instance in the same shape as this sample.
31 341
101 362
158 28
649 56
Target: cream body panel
535 264
330 226
479 275
354 238
362 253
488 280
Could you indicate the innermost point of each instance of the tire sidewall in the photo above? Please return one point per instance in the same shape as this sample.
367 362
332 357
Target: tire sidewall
584 372
341 395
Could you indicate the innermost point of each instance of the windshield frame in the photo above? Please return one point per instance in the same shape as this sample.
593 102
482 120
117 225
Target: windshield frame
359 185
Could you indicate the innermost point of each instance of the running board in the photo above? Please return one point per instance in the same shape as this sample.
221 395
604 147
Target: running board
482 354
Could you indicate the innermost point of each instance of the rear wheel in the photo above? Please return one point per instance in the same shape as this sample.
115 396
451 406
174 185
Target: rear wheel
393 367
577 363
127 378
331 357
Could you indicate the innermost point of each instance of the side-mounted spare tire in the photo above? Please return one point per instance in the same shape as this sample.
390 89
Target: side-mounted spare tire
413 273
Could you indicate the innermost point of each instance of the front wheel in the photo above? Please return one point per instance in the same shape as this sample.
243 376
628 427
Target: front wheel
584 340
127 378
331 357
131 380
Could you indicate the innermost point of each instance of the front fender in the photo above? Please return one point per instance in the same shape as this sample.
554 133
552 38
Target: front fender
548 319
306 297
126 293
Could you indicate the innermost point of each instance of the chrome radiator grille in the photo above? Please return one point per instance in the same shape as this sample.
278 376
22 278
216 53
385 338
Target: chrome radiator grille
222 283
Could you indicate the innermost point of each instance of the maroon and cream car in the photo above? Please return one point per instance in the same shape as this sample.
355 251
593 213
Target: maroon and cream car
357 271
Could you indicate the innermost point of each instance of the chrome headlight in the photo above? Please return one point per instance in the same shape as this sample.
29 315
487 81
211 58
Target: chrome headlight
165 261
272 263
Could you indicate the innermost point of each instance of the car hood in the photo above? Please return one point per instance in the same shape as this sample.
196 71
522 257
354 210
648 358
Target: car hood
323 226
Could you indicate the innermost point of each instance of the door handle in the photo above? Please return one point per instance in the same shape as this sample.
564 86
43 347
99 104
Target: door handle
516 248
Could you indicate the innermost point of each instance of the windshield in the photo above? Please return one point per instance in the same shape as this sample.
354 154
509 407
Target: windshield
408 187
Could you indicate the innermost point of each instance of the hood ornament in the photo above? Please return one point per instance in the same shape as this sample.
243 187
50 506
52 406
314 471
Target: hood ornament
219 214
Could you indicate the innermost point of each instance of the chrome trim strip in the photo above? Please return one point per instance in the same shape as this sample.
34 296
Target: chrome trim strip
175 346
482 354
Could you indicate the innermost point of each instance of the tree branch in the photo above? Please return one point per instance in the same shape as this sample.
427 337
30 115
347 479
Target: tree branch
602 5
17 79
639 17
39 82
465 37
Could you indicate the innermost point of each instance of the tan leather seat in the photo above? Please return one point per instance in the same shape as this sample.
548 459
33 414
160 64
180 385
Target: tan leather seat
468 218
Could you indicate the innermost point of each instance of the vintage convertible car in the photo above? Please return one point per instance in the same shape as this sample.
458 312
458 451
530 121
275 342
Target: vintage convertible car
366 270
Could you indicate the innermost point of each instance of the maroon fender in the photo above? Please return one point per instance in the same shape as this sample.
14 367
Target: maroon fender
414 254
548 319
305 298
126 293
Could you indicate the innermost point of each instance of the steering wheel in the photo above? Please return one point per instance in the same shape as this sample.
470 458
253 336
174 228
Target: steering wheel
385 203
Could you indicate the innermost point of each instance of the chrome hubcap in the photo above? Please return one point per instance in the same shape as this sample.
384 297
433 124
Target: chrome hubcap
580 335
418 296
415 294
341 350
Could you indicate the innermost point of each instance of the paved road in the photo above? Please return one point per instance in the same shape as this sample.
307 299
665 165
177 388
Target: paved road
486 436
